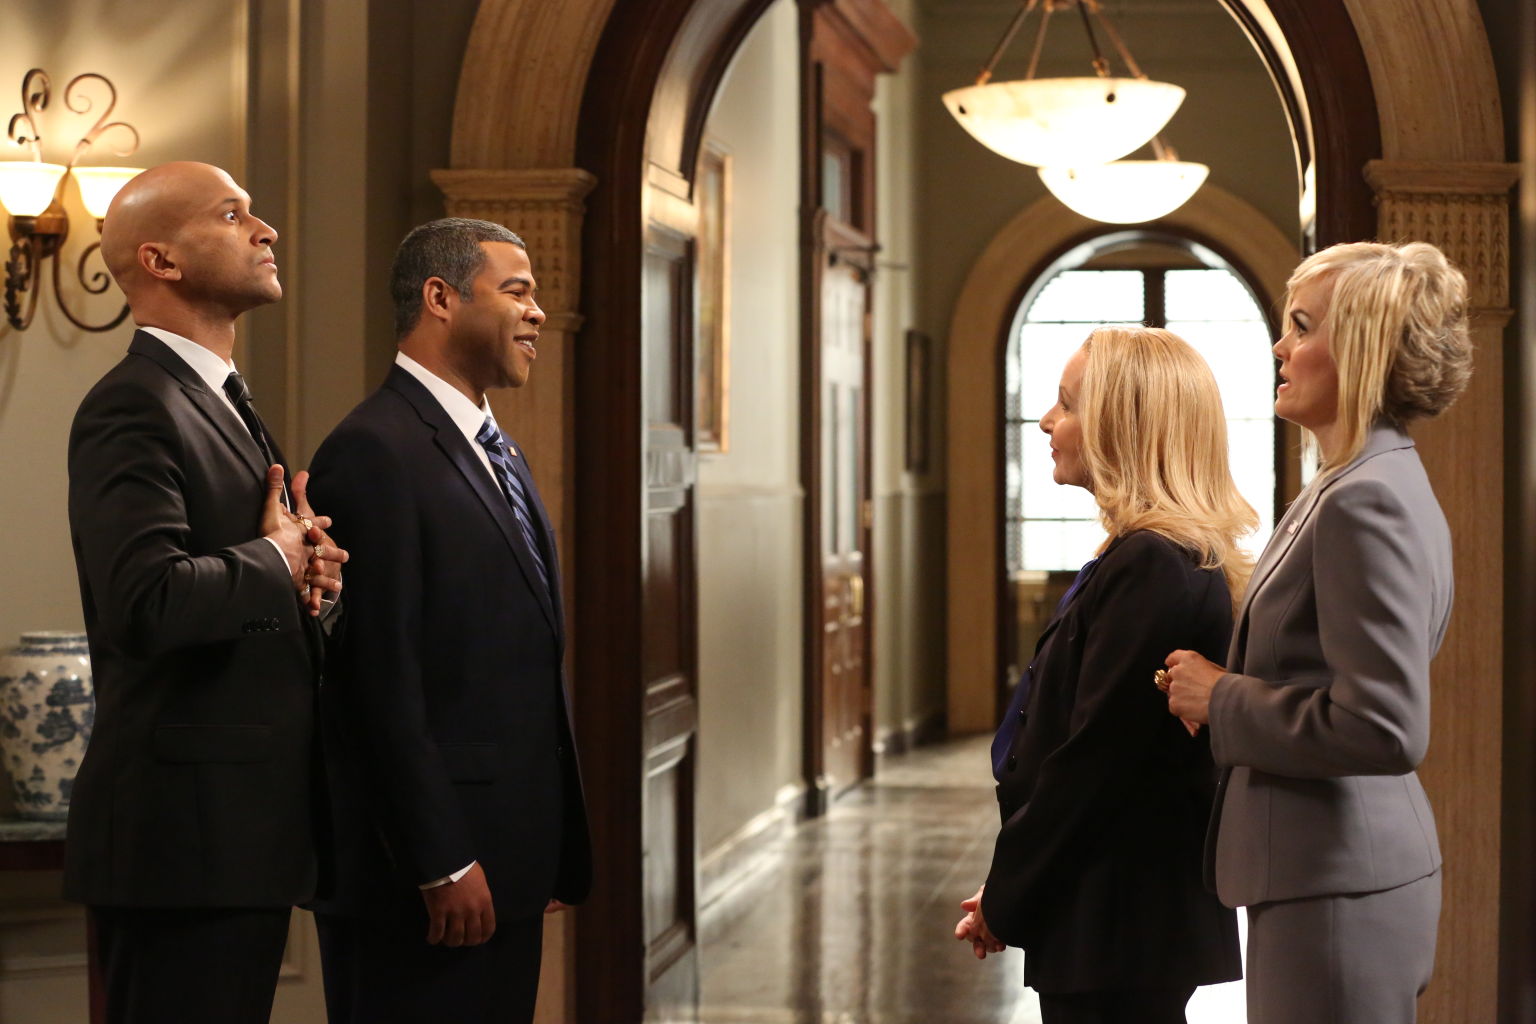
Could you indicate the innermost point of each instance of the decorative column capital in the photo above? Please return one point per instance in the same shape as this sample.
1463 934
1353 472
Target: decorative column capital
1461 207
545 206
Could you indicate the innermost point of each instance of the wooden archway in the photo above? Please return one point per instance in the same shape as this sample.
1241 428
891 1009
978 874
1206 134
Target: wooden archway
599 87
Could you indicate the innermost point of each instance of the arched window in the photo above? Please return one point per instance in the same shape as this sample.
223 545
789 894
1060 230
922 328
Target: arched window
1129 277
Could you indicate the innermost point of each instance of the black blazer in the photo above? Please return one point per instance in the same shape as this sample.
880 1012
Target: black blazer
447 734
1104 798
196 788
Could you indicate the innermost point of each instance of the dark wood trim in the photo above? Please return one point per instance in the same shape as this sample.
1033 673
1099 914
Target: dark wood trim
812 215
1517 919
1346 129
654 75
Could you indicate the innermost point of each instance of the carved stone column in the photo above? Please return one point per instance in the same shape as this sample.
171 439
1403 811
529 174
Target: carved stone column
545 207
1464 209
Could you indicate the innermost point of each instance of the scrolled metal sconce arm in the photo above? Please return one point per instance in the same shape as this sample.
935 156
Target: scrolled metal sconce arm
40 238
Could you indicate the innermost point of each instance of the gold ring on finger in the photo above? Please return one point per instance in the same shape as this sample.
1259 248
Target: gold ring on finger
306 522
1162 680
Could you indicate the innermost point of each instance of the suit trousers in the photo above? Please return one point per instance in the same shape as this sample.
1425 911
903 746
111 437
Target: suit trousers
1123 1006
386 973
1358 959
190 966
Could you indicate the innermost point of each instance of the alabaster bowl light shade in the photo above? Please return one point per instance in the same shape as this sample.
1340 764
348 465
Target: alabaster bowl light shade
98 186
1126 191
26 186
1065 122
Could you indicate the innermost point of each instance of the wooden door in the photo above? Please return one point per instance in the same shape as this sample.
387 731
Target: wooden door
843 498
669 648
660 62
846 43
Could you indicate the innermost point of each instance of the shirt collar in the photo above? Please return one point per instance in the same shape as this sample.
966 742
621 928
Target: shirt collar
206 363
466 415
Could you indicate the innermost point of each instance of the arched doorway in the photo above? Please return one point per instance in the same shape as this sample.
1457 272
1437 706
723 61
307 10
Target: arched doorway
624 106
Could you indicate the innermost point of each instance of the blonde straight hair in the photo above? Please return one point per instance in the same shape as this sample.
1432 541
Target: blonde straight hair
1155 447
1397 331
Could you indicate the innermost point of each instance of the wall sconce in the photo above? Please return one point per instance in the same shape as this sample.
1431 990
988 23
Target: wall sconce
32 192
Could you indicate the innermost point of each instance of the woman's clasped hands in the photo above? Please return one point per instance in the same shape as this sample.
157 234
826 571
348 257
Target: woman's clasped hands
972 928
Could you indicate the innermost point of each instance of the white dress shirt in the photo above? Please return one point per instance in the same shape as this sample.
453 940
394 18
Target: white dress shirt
212 368
469 418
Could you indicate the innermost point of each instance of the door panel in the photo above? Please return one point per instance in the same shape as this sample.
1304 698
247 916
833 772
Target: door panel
846 44
668 647
845 681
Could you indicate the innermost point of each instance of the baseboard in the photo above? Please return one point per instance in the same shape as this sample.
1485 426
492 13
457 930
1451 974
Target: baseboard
736 856
912 733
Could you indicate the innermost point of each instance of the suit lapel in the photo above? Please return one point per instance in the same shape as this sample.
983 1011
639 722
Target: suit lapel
234 433
1061 613
455 448
1381 439
210 405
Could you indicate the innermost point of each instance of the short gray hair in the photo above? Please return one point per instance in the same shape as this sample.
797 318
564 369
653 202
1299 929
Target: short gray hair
448 248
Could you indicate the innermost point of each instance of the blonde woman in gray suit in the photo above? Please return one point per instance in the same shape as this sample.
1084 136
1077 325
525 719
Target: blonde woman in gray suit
1321 828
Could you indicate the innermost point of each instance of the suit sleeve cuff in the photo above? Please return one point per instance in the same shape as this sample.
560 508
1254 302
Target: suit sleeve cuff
282 558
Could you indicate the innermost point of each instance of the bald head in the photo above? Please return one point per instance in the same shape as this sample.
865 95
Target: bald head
153 207
183 235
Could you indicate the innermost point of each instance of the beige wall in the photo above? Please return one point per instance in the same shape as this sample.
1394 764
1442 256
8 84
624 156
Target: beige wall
909 506
750 499
332 125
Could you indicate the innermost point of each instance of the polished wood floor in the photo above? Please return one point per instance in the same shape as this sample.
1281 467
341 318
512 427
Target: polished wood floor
849 920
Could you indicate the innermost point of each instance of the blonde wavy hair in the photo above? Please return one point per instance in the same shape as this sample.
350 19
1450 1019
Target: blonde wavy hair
1155 447
1398 334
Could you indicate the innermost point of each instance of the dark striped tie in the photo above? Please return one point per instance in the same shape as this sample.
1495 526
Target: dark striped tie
496 448
239 393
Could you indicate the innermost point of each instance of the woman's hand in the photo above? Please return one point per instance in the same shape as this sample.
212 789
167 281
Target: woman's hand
972 928
1191 678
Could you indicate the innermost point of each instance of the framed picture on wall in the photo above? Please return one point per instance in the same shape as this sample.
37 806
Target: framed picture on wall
712 394
918 399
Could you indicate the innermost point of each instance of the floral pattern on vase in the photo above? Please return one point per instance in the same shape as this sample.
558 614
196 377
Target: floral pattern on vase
47 708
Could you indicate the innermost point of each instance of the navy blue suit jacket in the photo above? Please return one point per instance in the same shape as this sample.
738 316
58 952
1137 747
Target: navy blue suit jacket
446 728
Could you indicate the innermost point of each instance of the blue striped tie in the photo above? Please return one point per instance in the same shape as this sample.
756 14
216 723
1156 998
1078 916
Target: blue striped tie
496 448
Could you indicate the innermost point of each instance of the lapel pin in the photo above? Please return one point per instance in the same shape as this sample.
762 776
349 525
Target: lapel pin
1293 528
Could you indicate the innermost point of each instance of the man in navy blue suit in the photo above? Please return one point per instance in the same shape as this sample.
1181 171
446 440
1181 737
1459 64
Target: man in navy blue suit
459 815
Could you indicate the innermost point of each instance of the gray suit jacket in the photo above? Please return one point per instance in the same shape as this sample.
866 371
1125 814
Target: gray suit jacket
1321 731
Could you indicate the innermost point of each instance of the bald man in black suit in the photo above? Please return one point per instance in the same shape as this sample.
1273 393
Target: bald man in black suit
192 829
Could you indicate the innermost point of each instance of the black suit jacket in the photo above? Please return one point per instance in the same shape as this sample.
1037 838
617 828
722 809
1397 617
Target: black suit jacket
196 789
1104 798
445 713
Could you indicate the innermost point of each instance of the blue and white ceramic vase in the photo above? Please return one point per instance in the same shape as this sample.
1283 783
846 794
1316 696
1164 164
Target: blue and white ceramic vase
47 707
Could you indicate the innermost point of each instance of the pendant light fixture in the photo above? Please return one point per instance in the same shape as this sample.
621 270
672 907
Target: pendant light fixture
1127 191
1064 122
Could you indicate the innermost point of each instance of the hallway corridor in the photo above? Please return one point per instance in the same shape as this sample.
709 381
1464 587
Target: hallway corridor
849 920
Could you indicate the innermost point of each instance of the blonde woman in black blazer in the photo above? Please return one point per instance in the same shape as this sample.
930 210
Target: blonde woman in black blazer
1104 799
1323 830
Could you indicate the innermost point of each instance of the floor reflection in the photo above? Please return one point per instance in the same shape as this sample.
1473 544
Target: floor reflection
849 920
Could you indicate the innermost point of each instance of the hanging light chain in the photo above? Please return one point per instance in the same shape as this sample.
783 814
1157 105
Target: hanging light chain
1114 37
1086 8
1012 30
1034 57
